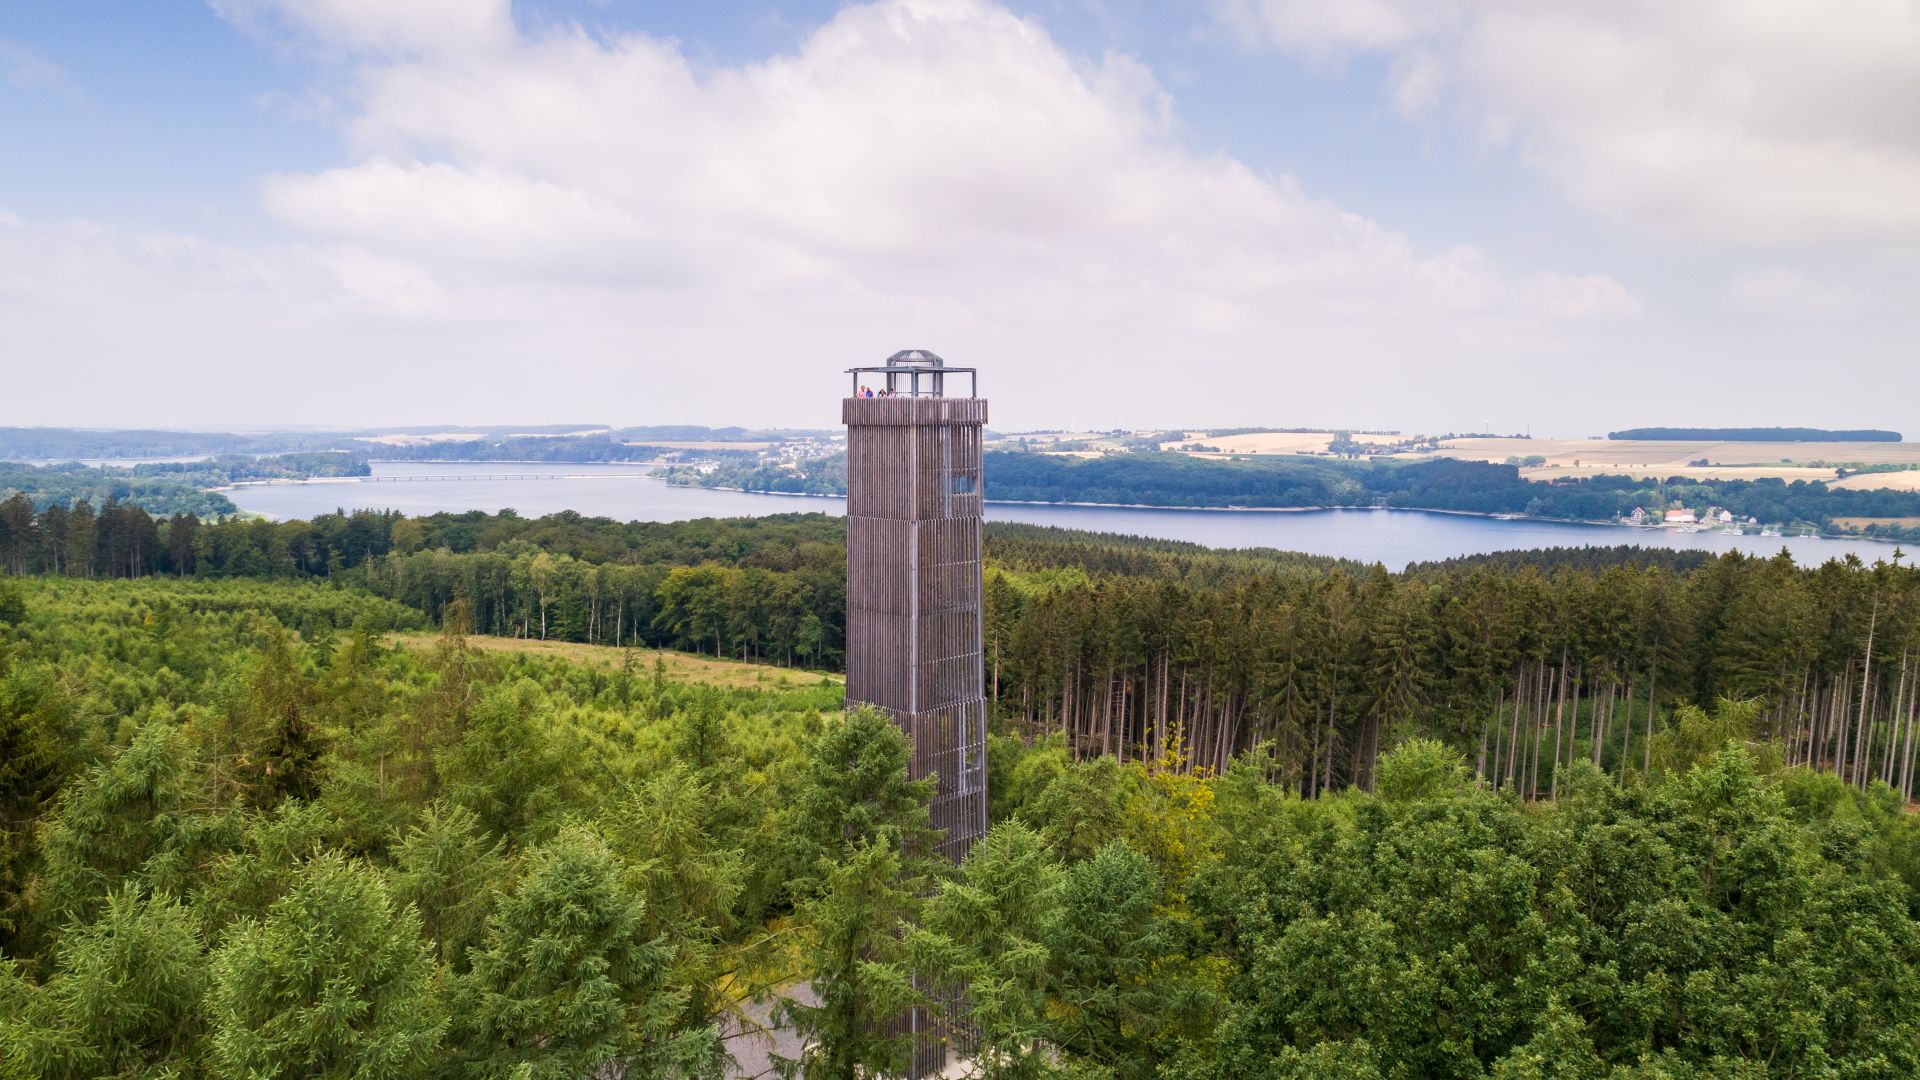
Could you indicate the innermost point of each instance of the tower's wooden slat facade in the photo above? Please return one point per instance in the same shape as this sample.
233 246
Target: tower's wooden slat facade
914 619
913 591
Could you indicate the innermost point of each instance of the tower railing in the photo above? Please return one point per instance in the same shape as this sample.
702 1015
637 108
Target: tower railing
910 380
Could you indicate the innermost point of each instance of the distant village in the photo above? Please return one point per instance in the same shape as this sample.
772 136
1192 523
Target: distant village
1684 520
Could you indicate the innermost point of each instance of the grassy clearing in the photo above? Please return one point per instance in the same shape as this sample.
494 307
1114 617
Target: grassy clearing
680 667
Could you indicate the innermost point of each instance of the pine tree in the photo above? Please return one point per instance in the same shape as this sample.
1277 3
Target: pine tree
565 984
124 1000
689 882
855 790
1120 986
507 766
334 982
447 868
34 762
856 915
983 931
128 818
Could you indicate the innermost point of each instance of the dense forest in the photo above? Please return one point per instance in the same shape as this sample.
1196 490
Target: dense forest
58 444
1166 479
1756 434
1137 649
246 833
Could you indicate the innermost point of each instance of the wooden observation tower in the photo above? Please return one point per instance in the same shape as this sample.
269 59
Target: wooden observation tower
913 598
913 574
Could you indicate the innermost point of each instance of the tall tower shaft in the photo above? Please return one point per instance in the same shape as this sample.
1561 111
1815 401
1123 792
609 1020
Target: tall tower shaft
913 575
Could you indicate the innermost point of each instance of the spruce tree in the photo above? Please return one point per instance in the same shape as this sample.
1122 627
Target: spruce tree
335 981
984 931
447 868
124 1000
566 985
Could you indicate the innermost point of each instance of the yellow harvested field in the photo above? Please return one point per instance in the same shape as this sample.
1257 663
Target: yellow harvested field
1566 458
1787 461
681 667
1729 472
1037 437
1262 442
1893 481
1653 455
670 444
1863 522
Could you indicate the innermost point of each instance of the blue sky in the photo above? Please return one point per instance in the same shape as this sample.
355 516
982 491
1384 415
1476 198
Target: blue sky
1379 213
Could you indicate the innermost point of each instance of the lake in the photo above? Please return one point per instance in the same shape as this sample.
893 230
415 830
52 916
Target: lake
630 493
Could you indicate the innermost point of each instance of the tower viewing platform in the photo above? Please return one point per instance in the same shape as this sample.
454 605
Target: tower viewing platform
912 387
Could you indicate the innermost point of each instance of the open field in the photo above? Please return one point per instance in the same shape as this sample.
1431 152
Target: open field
1567 458
709 444
681 667
1896 481
1262 442
1659 455
1863 522
1788 473
1275 442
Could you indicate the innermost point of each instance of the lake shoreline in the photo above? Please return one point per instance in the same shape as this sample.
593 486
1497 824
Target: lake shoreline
1396 538
1487 515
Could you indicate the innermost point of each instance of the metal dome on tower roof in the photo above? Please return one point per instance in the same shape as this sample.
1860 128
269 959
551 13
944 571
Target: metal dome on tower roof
912 373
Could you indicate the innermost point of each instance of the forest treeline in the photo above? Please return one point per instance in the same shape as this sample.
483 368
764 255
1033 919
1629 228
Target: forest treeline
1139 649
555 448
57 444
1290 481
243 835
1757 434
167 487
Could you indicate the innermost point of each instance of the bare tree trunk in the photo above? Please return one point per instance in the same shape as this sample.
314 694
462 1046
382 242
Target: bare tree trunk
1843 725
1913 703
1559 723
1480 766
1889 760
1626 732
1513 740
1866 681
1160 722
1326 775
1542 695
1646 747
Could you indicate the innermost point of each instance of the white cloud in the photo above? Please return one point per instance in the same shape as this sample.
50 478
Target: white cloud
552 224
28 70
1789 123
389 26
